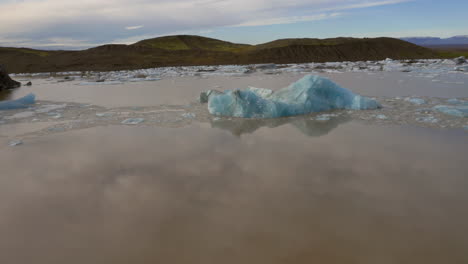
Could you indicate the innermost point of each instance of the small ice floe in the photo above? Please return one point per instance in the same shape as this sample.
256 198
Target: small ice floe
106 114
416 101
459 60
427 119
49 108
189 115
100 83
448 62
26 114
324 117
381 117
269 66
56 129
15 143
455 101
133 121
56 115
462 68
457 111
465 127
23 102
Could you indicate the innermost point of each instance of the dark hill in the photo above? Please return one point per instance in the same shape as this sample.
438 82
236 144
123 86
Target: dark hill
194 50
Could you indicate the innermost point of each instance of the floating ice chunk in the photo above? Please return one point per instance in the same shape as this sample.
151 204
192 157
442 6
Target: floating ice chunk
310 94
427 119
133 121
465 127
269 66
458 111
416 101
462 68
23 102
15 143
21 115
49 108
460 60
107 114
455 101
56 115
100 83
189 115
381 117
325 117
448 62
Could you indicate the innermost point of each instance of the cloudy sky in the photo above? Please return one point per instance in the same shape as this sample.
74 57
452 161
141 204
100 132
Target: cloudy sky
67 24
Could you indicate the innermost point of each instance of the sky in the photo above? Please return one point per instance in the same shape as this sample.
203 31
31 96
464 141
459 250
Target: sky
66 24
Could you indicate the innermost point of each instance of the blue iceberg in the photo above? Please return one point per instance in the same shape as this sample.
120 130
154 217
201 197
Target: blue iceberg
457 111
22 102
310 94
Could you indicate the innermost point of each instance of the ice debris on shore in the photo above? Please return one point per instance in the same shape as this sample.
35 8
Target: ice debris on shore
23 102
310 94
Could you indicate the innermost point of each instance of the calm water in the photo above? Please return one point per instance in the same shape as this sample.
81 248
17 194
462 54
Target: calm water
184 90
236 192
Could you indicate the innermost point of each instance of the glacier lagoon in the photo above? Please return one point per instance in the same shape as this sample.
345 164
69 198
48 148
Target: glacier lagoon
175 178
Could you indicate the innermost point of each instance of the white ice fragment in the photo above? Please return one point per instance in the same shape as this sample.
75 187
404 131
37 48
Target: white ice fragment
427 119
381 117
107 114
133 121
189 115
416 101
49 108
21 115
323 117
15 143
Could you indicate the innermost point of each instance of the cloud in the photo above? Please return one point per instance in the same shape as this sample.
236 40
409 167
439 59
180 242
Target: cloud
287 20
134 27
102 21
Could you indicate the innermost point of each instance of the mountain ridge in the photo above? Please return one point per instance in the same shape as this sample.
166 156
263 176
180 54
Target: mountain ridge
436 41
189 50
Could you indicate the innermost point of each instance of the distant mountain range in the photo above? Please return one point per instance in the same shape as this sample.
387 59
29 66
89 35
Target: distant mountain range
185 50
433 41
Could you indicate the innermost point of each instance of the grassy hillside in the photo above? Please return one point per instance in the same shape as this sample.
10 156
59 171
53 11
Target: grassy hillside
186 50
186 42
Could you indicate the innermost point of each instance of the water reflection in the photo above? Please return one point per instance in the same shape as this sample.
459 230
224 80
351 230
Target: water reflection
306 124
6 95
145 195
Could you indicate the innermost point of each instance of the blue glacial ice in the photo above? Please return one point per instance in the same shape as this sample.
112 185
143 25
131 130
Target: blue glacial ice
23 102
457 111
310 94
